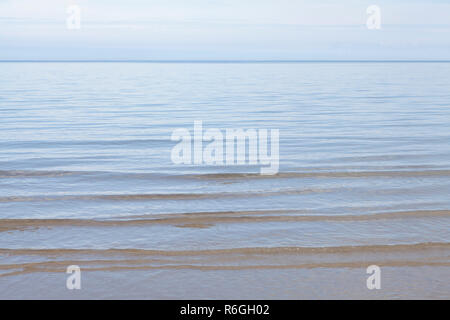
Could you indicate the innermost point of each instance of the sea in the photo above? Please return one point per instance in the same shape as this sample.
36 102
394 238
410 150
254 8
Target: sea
88 179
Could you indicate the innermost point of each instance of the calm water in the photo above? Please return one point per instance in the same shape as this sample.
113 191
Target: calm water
86 178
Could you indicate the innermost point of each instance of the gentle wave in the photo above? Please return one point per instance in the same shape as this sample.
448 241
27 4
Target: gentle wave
206 219
39 173
57 266
307 173
254 250
164 196
320 174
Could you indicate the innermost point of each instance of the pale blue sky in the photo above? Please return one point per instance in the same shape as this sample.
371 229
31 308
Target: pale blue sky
224 29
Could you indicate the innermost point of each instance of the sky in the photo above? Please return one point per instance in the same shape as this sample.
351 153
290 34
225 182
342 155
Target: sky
224 30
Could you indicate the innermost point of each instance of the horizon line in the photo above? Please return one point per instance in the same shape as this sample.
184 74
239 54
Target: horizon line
224 61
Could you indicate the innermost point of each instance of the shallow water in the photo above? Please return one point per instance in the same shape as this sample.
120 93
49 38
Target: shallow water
86 168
